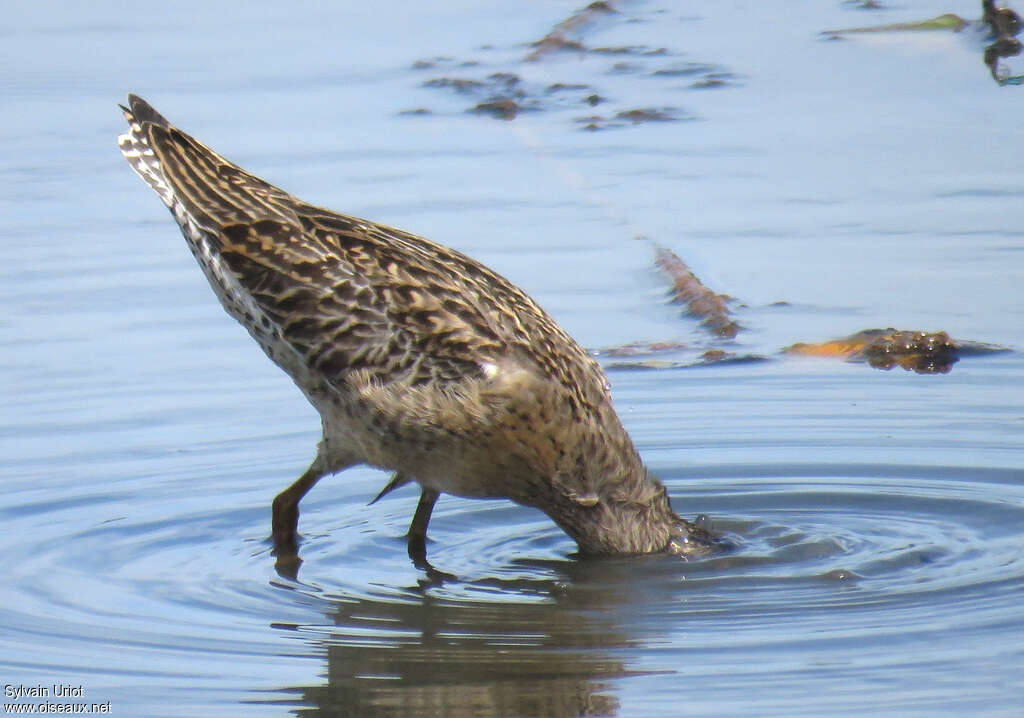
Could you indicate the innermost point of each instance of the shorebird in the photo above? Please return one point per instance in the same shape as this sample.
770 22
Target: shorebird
419 359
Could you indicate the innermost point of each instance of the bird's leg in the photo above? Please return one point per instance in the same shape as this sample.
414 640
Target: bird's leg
397 481
418 528
285 518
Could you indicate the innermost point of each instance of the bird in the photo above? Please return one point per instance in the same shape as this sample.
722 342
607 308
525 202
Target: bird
419 359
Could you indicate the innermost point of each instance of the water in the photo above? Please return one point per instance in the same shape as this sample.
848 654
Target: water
874 181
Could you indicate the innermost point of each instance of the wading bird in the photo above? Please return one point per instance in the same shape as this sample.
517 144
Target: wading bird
419 359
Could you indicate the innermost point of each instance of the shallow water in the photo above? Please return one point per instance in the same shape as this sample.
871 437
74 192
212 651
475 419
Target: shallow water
879 516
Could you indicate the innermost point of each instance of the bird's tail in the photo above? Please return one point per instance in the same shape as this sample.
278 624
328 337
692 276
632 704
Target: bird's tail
137 150
198 185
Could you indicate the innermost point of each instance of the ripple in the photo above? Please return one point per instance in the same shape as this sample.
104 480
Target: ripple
829 564
830 560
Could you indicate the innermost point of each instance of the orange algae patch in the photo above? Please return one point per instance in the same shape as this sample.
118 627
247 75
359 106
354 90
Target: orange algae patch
842 348
920 352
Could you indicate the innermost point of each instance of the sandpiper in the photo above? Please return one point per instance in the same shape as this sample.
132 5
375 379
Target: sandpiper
419 359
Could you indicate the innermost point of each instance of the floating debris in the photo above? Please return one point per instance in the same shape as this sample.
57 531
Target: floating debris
625 68
711 308
557 39
503 108
948 21
504 96
592 123
625 118
641 50
917 351
712 357
1001 23
711 76
459 84
509 79
665 114
920 352
563 86
713 81
690 68
432 62
641 349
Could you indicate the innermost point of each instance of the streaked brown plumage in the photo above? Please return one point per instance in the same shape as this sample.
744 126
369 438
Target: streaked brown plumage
419 359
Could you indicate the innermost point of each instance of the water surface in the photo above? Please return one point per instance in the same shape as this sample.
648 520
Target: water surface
830 186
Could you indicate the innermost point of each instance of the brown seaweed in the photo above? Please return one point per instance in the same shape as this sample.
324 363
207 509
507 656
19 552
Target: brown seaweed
712 357
641 349
711 308
558 38
1003 26
917 351
504 96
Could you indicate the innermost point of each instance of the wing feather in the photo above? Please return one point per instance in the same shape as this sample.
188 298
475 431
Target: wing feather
345 294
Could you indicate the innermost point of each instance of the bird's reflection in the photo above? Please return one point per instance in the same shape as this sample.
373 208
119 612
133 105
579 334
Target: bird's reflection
544 648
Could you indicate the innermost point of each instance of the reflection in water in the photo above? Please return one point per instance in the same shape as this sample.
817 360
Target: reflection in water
1004 25
420 655
1003 47
1000 25
888 556
1002 21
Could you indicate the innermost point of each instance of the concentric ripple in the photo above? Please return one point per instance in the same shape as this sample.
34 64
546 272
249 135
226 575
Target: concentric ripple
834 565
